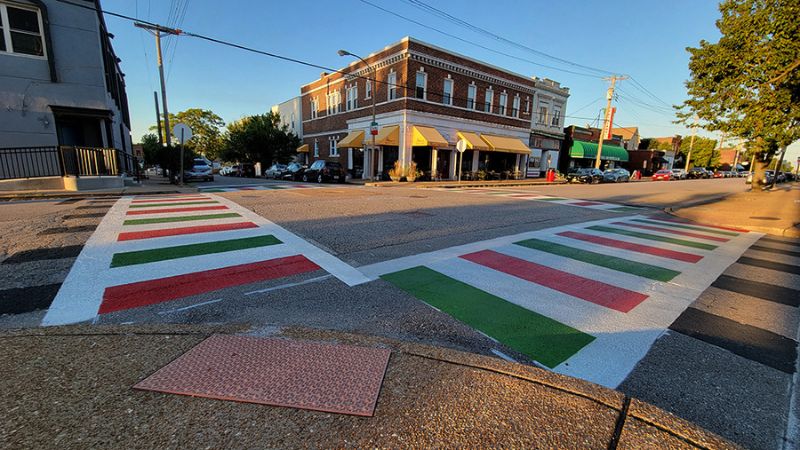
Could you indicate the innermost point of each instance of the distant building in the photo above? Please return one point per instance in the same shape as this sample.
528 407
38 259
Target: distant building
291 112
427 99
60 85
580 145
630 137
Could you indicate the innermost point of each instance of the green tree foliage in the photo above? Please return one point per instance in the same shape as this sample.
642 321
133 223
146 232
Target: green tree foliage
747 84
169 158
150 147
701 151
653 144
207 138
260 138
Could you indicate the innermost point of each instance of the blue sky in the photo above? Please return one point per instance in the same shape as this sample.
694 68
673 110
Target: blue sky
646 39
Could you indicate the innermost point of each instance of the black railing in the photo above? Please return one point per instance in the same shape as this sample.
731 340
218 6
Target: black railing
38 162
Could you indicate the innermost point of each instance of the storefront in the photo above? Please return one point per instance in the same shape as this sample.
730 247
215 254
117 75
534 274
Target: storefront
584 154
302 154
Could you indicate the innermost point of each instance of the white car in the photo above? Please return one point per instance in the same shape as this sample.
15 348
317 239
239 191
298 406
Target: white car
201 169
679 174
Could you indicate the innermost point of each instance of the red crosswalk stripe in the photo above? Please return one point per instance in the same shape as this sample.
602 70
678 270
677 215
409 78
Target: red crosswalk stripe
149 234
673 231
639 248
172 210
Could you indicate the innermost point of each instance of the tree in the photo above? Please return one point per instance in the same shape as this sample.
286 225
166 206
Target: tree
150 147
260 138
701 152
206 130
747 84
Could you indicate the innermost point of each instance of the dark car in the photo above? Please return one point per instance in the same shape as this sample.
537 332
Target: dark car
585 176
322 171
294 172
617 175
698 172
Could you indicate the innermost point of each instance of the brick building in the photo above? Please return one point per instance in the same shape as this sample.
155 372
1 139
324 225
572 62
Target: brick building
426 100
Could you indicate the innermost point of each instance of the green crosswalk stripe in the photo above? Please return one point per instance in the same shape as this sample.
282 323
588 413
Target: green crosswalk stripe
686 227
541 338
184 251
179 219
653 237
598 259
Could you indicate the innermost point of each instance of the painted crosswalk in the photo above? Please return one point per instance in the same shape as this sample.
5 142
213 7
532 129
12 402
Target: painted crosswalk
533 196
150 250
587 300
256 187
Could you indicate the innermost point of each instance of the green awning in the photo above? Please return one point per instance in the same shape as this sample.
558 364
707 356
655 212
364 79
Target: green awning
581 149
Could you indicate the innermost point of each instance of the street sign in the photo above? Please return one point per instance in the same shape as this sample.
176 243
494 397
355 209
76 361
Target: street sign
182 132
461 145
373 128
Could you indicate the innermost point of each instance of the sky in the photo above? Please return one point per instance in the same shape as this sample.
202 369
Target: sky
645 39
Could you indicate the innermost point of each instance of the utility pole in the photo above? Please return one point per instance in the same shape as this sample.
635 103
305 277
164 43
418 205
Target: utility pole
606 124
156 30
691 145
158 120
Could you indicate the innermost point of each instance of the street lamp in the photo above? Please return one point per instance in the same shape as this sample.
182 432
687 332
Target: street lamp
374 94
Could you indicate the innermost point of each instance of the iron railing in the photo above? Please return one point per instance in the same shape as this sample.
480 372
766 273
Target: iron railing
38 162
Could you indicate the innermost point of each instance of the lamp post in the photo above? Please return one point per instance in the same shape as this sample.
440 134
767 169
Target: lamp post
374 92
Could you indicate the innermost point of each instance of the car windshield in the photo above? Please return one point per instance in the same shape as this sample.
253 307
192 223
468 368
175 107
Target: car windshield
663 171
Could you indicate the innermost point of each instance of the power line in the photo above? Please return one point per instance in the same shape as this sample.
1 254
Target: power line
453 36
641 87
475 28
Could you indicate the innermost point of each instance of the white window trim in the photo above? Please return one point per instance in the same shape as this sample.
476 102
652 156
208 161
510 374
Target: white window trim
6 26
314 107
543 117
333 149
316 148
503 102
515 106
555 118
527 105
472 88
368 90
447 81
391 85
490 95
424 84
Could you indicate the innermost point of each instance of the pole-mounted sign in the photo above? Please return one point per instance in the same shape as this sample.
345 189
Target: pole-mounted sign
183 133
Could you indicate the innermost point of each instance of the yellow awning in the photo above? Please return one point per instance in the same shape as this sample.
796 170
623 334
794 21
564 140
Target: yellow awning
387 136
302 149
506 144
474 142
427 137
353 140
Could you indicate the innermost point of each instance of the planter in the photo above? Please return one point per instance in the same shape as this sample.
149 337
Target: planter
395 179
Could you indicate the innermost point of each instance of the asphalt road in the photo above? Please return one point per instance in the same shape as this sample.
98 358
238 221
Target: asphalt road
687 371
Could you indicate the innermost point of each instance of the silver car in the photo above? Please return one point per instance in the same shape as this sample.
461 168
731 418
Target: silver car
679 174
201 170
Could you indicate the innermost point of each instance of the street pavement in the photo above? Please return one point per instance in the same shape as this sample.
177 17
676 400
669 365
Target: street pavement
588 281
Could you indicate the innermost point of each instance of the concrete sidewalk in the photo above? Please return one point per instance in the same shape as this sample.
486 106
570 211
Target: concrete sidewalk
775 212
152 186
68 387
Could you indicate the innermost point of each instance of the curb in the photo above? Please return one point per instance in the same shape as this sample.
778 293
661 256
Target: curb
792 232
78 194
461 185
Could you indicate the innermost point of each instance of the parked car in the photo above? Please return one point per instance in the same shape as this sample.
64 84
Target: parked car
275 171
322 171
679 174
616 176
663 175
585 175
718 174
698 172
294 172
201 169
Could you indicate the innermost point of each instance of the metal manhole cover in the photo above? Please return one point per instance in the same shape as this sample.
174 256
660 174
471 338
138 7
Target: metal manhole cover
764 218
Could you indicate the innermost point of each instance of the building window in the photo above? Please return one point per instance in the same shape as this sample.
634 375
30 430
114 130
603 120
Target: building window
489 103
316 148
543 115
527 105
352 97
334 100
515 106
447 92
472 92
21 30
503 103
368 90
421 84
556 117
391 83
332 145
314 108
292 121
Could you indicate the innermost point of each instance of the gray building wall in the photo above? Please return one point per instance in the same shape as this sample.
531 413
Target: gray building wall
27 90
291 115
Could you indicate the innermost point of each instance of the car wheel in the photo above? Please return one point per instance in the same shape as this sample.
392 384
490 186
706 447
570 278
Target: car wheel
305 178
319 178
